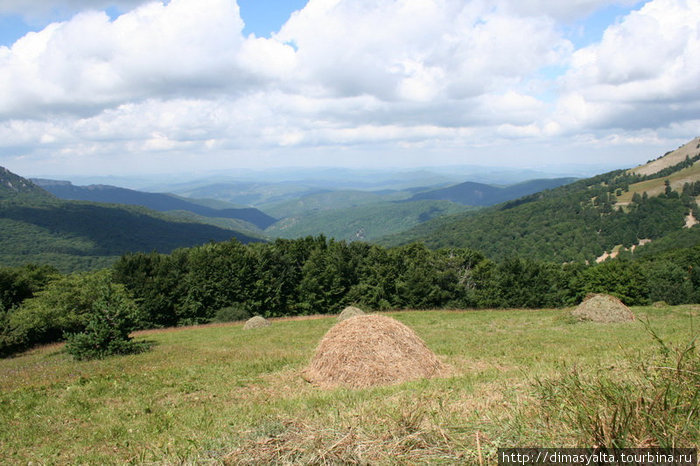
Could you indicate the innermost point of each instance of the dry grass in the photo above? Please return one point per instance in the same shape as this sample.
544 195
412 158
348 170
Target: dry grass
413 439
657 186
256 322
603 308
369 350
418 427
677 156
350 311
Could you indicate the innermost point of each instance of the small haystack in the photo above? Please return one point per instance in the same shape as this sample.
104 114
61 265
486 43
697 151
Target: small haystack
350 311
368 350
602 308
256 322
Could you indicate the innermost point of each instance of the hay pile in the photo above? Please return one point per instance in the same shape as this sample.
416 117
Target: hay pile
370 350
602 308
350 311
255 322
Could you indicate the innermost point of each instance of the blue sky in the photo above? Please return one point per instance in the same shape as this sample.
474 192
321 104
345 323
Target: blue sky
12 27
261 17
589 29
265 17
137 87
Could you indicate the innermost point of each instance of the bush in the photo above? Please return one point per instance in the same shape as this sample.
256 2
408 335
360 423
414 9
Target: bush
62 307
231 314
112 318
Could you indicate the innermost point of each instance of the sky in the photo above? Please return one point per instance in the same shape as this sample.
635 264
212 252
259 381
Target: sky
133 87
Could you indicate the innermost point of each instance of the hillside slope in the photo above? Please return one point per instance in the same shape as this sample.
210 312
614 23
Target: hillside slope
576 222
156 201
479 194
76 235
363 222
369 215
13 186
669 159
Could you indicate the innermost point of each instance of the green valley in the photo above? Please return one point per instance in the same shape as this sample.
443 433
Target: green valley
365 223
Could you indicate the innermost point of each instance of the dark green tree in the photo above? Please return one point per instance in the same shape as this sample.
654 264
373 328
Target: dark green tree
112 318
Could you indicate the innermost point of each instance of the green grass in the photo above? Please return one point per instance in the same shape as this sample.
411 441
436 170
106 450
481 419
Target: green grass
219 394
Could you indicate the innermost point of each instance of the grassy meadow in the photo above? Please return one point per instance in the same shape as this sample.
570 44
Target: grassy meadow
219 395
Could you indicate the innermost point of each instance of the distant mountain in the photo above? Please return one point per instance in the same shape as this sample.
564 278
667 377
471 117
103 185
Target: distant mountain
583 220
368 215
13 186
156 201
362 222
290 180
331 200
275 187
479 194
247 193
74 235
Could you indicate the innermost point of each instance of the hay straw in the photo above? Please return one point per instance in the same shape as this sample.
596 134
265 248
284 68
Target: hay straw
603 308
350 311
369 350
255 322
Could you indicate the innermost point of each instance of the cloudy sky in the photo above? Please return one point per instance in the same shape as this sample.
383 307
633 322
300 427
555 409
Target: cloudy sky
183 86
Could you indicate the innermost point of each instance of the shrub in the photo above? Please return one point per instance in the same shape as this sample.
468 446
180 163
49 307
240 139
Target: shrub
62 307
231 314
112 317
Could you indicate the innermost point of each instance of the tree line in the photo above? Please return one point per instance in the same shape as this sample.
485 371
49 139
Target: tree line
315 275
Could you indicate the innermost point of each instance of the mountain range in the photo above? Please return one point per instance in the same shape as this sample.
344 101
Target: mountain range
648 208
312 207
480 194
157 201
36 226
584 220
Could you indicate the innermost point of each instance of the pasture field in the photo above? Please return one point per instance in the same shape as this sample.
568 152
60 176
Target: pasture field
219 395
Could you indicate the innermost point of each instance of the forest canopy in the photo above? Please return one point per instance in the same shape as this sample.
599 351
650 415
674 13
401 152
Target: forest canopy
315 275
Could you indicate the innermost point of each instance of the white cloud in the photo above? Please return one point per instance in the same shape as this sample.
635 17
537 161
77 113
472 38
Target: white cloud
417 50
643 74
156 49
178 79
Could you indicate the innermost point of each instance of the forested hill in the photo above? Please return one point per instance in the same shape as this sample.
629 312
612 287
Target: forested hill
13 186
479 194
579 221
73 235
157 201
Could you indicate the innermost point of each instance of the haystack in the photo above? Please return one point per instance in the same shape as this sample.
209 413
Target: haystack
255 322
602 308
369 350
350 311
